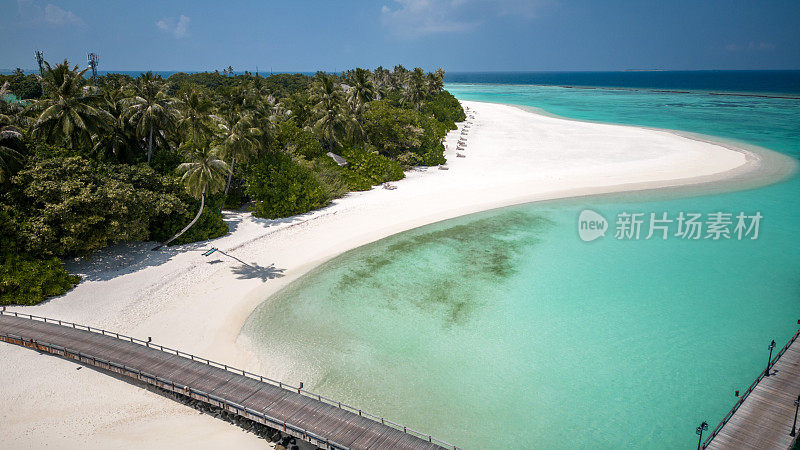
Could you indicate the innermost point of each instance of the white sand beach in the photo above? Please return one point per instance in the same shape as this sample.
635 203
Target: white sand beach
198 304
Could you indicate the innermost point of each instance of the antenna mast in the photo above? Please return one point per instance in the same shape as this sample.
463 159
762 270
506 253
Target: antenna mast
40 60
93 61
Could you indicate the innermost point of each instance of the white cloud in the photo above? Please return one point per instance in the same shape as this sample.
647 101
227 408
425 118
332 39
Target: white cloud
55 15
181 27
178 28
31 13
415 18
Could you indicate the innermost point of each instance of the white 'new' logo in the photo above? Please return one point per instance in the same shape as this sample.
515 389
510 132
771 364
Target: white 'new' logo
591 225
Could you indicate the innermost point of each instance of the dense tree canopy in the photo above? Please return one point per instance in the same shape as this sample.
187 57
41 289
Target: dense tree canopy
83 167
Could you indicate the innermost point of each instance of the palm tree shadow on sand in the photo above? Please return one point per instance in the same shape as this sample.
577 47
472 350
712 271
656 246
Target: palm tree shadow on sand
246 271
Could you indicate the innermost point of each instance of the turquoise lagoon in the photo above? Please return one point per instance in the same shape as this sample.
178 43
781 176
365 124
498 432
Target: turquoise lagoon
505 329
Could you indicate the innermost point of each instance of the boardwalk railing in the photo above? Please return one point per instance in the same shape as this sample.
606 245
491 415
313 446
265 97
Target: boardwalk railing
200 395
741 399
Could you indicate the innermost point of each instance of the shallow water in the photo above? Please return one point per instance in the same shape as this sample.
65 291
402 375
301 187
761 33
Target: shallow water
506 328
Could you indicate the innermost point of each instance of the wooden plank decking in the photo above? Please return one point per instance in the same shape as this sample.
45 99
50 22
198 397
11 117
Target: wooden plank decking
764 419
310 417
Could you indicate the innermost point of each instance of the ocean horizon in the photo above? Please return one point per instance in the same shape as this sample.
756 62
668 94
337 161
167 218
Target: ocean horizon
777 82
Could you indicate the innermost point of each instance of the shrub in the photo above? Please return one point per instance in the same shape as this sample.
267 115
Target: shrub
71 206
25 280
371 167
445 108
392 130
28 281
298 141
282 187
331 176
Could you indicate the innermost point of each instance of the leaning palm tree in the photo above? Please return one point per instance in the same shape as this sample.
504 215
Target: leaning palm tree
362 90
150 109
203 174
68 114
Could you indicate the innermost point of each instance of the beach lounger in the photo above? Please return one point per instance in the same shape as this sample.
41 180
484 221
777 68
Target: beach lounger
444 168
459 155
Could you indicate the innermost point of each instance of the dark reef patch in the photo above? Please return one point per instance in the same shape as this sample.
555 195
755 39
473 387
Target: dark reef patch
445 266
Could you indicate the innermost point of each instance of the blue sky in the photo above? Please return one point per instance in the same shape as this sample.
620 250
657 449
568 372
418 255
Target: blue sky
459 35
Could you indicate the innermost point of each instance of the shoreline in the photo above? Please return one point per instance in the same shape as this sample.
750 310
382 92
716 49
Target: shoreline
199 305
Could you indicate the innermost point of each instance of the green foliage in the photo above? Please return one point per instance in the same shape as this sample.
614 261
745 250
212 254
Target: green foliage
295 140
237 196
23 86
80 182
372 167
210 224
166 160
28 281
25 280
392 130
72 206
281 187
280 85
332 177
445 108
300 106
409 136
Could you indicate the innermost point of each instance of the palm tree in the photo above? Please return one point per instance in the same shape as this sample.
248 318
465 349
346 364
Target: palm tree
435 82
397 78
362 90
194 108
239 139
12 141
415 88
68 113
381 80
7 113
11 144
150 109
203 174
331 121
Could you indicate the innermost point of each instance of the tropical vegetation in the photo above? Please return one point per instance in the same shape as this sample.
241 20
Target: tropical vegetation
84 165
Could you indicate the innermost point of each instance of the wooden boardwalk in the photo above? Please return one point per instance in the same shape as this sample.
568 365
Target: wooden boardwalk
311 417
763 416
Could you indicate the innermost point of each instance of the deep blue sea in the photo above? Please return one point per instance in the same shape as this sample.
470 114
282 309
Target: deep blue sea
721 81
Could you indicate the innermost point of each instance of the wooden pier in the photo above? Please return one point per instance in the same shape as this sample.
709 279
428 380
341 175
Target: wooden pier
321 421
763 416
